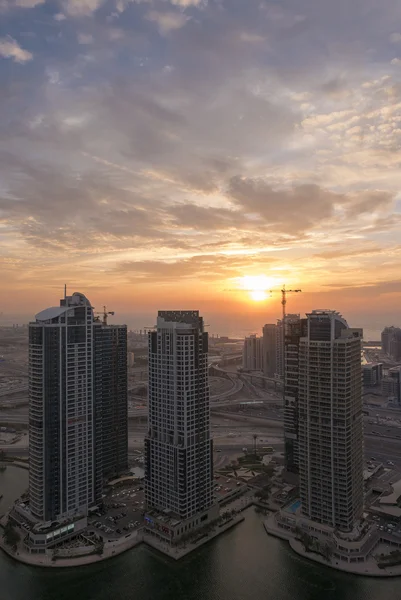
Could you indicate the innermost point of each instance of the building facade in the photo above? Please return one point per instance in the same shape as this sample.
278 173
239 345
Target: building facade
279 350
391 342
70 390
295 329
269 349
395 345
178 447
252 354
330 421
391 385
372 374
111 394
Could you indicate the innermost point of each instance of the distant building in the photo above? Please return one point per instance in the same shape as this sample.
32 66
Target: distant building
279 350
178 446
252 354
269 349
395 345
330 421
131 359
295 329
372 374
391 342
391 385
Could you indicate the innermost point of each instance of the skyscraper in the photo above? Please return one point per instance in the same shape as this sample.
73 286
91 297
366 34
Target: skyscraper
77 399
178 448
252 355
391 342
330 421
386 338
395 345
391 385
295 329
279 349
110 362
269 349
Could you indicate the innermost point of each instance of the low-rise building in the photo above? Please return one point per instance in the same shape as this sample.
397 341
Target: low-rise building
372 374
391 385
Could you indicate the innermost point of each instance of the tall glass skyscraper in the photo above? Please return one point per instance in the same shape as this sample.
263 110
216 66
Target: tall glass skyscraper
295 329
330 426
77 408
178 448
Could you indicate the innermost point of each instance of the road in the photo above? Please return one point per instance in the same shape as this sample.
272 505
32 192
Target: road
378 448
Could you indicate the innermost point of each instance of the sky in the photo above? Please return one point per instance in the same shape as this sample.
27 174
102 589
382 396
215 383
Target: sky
154 153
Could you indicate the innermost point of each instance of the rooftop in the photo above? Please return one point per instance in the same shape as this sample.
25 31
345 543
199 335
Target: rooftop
51 313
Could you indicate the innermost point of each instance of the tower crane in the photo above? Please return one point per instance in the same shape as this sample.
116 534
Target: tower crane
284 293
105 313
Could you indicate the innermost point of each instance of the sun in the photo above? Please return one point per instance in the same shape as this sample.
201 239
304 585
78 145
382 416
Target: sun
258 286
258 295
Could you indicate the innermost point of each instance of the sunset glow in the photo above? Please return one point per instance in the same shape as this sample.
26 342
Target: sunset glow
168 150
258 295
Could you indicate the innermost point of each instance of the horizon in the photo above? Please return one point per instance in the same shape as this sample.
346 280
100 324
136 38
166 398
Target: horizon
137 167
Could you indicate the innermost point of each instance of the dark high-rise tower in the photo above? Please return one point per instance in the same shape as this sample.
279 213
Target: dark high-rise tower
269 349
295 329
75 391
111 397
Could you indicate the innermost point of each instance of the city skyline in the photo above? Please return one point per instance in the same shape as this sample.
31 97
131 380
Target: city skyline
132 159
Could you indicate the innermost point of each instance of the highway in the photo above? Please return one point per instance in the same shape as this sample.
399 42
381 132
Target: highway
375 447
13 391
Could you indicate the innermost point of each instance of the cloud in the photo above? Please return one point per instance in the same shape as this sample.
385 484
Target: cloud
249 128
363 251
370 202
167 21
197 266
395 61
82 8
9 48
85 213
198 217
288 210
186 3
395 38
250 37
371 288
28 3
9 4
85 38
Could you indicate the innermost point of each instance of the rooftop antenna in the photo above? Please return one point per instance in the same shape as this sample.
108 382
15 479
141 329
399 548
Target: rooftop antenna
65 291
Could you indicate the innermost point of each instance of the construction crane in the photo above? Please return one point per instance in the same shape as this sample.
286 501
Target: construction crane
104 314
284 293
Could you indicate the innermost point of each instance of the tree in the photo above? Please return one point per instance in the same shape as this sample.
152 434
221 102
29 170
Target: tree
327 552
11 535
306 541
99 547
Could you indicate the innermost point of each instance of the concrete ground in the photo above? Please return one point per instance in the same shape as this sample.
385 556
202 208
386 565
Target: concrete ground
126 518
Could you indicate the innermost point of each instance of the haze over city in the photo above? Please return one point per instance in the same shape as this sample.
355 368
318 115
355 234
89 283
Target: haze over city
156 153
